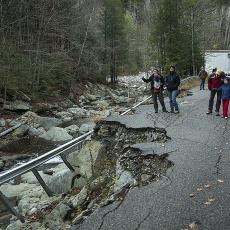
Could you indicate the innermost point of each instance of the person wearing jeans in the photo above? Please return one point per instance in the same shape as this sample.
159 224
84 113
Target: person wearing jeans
202 75
172 84
157 87
172 100
214 82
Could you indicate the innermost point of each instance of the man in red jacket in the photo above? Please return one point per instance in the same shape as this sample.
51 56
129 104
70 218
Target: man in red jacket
214 82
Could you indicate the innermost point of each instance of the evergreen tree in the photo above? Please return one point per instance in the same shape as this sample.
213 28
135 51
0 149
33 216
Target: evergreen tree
115 36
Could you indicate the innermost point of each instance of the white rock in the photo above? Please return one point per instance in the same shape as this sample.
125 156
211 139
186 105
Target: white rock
61 181
66 119
16 190
56 134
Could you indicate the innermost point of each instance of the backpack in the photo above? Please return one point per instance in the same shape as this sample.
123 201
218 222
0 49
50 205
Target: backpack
157 85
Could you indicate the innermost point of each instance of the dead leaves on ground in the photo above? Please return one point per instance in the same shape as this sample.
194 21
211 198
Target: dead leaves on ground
210 201
206 186
194 225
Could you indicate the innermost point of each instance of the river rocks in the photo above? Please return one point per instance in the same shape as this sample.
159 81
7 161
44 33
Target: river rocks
47 122
86 158
78 112
17 105
17 225
61 181
85 128
91 97
2 122
56 134
21 131
101 105
63 115
15 190
123 178
80 198
42 108
63 210
72 129
36 132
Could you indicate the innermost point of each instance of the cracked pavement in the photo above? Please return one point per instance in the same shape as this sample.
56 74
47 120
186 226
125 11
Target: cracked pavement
199 148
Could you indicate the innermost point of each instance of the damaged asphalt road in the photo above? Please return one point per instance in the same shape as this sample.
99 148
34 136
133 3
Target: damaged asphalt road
199 149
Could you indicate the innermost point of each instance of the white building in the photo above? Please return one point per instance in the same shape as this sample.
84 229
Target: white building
219 59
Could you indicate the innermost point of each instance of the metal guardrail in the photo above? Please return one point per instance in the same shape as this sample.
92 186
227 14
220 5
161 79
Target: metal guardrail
61 151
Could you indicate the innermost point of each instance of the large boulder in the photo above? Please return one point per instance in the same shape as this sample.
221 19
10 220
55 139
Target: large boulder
17 105
36 132
85 128
86 159
56 134
61 181
47 122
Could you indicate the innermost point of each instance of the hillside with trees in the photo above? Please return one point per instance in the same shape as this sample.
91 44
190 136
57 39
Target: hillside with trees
48 47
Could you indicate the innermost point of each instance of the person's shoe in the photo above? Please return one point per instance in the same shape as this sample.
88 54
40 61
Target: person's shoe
217 114
225 118
177 111
165 111
172 111
209 112
156 111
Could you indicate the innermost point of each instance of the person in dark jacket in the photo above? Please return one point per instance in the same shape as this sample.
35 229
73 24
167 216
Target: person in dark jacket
214 82
157 87
172 84
225 92
202 75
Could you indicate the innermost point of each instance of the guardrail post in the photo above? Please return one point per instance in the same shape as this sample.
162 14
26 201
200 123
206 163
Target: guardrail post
63 157
8 205
42 182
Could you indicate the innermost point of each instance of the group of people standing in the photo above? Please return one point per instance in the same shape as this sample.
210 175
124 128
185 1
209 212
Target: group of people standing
218 84
159 84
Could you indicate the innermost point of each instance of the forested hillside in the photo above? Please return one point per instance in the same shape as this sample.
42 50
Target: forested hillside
48 46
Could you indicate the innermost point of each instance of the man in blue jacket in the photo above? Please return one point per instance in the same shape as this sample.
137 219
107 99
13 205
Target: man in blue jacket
172 84
157 88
